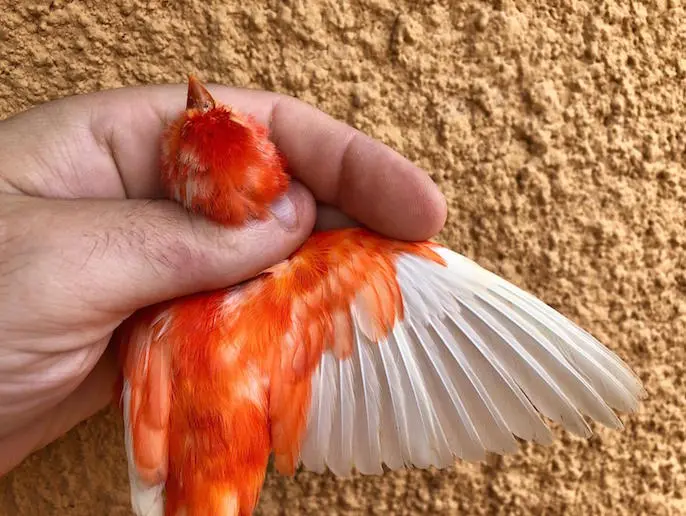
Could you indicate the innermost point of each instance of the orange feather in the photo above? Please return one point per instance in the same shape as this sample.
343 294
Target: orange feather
220 163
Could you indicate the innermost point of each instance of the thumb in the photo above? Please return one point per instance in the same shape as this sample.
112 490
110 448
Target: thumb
123 255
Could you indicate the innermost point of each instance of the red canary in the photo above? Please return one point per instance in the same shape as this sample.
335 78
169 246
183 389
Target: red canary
355 352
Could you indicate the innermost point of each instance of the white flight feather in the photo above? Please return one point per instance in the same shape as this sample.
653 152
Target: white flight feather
367 456
336 444
490 426
389 433
346 393
531 376
316 442
419 403
459 432
520 416
398 394
607 372
471 365
578 389
145 500
536 309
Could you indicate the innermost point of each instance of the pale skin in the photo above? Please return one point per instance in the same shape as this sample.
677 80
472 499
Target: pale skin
85 239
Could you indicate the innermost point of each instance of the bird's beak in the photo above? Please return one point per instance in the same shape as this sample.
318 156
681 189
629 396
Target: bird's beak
198 96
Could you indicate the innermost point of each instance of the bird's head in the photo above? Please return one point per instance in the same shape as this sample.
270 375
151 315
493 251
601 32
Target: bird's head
220 163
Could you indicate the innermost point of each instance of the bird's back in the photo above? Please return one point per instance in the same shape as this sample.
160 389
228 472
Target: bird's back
233 369
219 439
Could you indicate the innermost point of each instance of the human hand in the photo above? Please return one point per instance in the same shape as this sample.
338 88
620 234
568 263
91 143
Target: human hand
85 238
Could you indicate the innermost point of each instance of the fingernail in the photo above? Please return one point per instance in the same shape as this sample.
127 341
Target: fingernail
284 211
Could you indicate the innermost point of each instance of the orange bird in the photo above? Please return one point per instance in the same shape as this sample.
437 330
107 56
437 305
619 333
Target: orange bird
355 352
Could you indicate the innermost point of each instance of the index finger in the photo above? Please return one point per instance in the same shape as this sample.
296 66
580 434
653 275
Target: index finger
364 178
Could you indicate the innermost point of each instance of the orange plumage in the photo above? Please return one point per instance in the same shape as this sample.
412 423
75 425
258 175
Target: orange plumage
336 357
241 373
220 163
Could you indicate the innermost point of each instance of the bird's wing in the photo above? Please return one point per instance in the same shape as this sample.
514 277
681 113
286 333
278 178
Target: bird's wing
427 357
145 404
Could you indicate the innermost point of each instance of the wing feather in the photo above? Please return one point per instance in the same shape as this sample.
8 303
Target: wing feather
537 384
490 426
579 391
316 443
332 457
145 404
419 404
519 414
392 443
468 363
367 416
459 432
399 390
605 371
341 451
146 500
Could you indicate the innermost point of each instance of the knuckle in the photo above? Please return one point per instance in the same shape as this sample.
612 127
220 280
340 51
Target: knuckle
164 243
214 242
15 233
18 245
163 239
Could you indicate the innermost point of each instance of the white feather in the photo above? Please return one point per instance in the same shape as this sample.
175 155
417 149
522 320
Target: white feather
398 389
457 434
537 310
578 389
460 432
392 453
145 500
520 416
420 406
343 463
316 442
490 426
470 367
608 374
367 437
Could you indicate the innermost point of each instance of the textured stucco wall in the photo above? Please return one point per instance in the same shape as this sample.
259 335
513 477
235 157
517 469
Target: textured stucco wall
555 129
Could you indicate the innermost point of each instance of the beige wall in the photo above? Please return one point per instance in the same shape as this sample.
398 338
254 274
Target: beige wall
557 134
